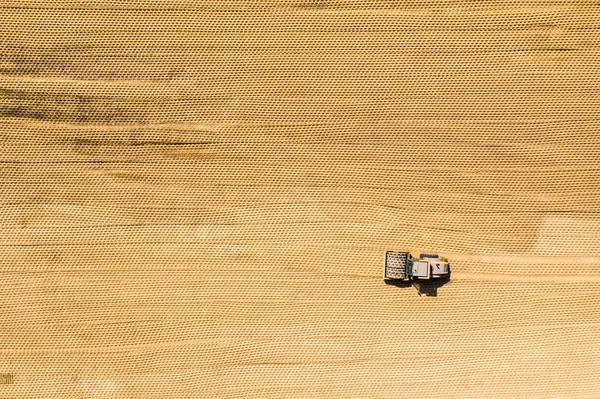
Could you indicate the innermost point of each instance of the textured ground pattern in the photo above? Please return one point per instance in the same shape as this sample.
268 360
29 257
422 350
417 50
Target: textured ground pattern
196 198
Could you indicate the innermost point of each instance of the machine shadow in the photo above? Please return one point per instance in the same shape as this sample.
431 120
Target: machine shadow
423 287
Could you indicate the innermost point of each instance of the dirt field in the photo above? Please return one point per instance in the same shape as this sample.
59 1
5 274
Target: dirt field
196 198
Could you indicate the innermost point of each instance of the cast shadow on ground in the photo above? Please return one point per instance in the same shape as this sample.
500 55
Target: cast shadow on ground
423 287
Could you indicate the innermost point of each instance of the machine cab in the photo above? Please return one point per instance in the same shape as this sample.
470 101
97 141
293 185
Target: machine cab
421 269
431 266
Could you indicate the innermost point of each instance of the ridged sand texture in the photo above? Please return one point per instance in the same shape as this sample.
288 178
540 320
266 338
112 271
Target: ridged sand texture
196 198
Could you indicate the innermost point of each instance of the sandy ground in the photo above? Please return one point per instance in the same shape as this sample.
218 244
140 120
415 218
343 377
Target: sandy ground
196 198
